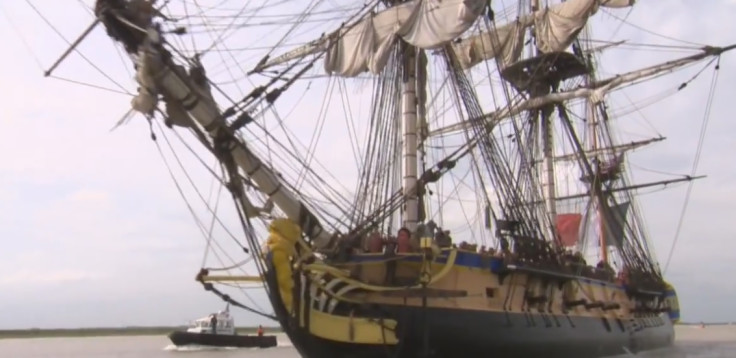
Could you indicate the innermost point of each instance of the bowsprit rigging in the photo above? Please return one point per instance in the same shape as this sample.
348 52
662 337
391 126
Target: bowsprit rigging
381 266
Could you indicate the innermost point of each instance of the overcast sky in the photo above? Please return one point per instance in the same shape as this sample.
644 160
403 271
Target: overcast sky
95 234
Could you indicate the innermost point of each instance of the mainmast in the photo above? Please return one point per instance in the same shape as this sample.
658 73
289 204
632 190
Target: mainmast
410 215
412 60
546 132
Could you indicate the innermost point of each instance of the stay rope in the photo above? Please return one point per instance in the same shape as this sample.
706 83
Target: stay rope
696 161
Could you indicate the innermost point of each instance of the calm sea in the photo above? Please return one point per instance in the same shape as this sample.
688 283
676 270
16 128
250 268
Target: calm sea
692 342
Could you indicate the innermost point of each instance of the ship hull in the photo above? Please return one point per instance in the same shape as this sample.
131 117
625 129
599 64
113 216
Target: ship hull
180 338
442 332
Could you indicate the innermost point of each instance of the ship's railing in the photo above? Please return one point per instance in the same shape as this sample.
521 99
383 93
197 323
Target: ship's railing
498 262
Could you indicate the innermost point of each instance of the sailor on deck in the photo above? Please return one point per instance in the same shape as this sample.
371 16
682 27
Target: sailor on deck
213 323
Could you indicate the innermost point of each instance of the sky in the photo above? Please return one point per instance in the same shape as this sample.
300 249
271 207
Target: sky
94 233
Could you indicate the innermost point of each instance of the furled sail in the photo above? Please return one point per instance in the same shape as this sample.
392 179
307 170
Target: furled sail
422 23
556 27
614 222
506 42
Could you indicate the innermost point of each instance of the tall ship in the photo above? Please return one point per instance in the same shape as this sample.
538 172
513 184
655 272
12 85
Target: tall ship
424 178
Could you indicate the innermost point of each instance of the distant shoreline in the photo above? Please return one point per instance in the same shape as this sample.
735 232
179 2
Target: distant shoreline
155 331
106 331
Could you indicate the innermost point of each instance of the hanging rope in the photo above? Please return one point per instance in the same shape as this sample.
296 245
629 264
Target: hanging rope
696 161
207 286
225 297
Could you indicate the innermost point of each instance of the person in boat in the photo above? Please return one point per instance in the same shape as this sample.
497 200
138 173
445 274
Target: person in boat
213 323
260 331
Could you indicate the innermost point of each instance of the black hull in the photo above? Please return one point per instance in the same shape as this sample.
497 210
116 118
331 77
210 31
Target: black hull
468 334
180 338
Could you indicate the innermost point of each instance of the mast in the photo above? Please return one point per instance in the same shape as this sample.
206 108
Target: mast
597 195
593 119
544 115
422 130
595 91
410 215
596 184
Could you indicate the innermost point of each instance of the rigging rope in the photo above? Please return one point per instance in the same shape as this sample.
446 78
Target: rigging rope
233 266
696 161
212 222
198 221
38 12
22 38
623 20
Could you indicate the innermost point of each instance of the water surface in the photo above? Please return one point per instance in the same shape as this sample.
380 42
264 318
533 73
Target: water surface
691 342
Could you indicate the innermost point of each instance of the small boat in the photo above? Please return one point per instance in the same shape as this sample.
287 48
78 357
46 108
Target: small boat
218 330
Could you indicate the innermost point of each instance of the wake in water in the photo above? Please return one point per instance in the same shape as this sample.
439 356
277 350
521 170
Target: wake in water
197 348
282 340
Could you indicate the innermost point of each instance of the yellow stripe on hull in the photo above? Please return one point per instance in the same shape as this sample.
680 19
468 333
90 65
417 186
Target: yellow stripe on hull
352 329
328 326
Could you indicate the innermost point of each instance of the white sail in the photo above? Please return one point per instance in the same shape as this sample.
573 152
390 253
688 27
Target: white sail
506 41
556 27
422 23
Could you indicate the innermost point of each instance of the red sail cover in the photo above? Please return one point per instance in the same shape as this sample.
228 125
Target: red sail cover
568 226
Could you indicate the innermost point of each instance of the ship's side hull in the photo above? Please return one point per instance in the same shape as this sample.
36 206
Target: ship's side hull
180 338
458 332
465 333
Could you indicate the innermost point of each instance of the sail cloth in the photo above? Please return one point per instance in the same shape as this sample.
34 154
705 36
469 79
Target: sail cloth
614 223
556 27
568 228
423 23
506 41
